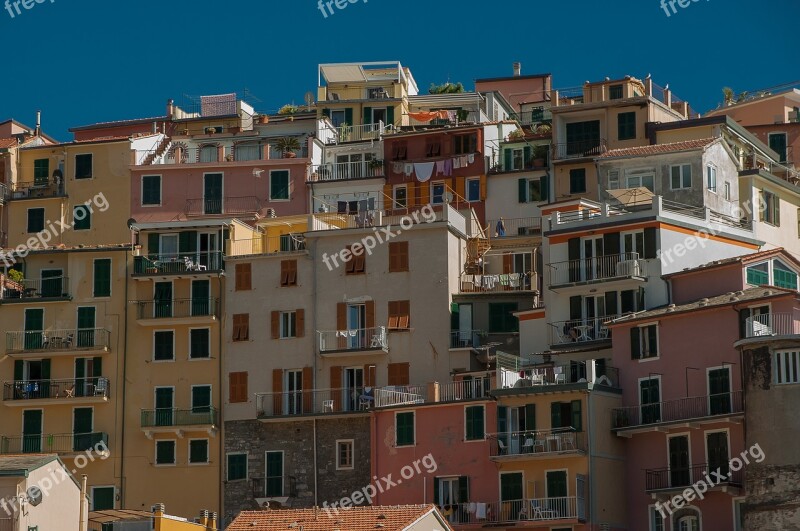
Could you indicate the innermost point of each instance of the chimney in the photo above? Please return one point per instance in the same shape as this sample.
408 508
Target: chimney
38 123
170 107
158 510
212 522
203 520
517 69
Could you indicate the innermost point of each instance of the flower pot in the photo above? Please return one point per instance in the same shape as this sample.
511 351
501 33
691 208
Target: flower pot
538 163
263 119
289 155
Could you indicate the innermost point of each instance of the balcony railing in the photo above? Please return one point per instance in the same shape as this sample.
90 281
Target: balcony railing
357 133
598 269
288 243
570 373
58 340
515 227
464 389
342 171
165 309
229 206
697 407
400 395
537 510
96 387
466 338
315 401
454 118
772 324
356 339
581 330
210 155
584 148
496 283
180 263
533 443
535 116
680 478
169 417
39 188
46 288
59 444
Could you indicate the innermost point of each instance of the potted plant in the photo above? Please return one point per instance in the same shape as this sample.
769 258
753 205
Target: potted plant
539 156
375 163
210 130
288 145
516 135
543 129
288 110
263 119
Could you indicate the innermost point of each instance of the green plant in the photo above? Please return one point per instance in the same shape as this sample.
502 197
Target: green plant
375 163
288 144
15 275
728 93
517 134
540 152
446 88
288 109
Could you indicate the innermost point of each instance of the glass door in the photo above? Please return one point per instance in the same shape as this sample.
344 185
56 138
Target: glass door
212 193
719 390
164 406
592 253
209 251
356 326
86 326
201 297
650 398
293 399
354 385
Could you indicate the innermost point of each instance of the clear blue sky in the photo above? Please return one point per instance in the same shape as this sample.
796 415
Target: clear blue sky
82 61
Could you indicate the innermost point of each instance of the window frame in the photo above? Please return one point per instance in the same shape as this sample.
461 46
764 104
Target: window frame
28 220
189 454
395 202
165 331
240 336
442 198
473 438
287 319
288 197
573 176
711 176
160 192
228 466
91 166
174 453
467 189
628 126
505 329
780 361
352 444
413 442
402 320
282 476
191 343
82 224
642 335
286 279
94 278
681 177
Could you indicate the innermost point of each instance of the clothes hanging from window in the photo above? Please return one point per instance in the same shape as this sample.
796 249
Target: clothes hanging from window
471 158
408 169
456 162
397 167
439 167
424 171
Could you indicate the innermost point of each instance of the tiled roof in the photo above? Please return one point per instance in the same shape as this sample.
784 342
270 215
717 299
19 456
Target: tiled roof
8 142
394 518
120 123
742 259
24 462
658 149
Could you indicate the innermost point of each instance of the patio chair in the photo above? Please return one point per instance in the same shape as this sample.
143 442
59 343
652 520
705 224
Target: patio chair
327 406
100 387
527 447
560 377
69 392
542 513
503 450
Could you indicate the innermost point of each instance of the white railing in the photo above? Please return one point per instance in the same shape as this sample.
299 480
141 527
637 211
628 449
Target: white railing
399 396
464 390
357 133
535 509
772 324
342 171
356 339
580 330
598 268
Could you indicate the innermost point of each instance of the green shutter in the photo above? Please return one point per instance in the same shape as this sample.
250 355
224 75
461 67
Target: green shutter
187 242
530 417
575 305
348 116
628 297
611 302
326 113
650 246
436 491
81 224
611 243
97 367
652 338
545 188
463 489
555 415
367 115
153 243
19 370
523 190
102 277
201 398
508 157
389 115
198 451
577 421
502 419
526 154
636 348
80 366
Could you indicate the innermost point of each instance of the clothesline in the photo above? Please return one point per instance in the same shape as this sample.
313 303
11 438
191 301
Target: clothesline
425 170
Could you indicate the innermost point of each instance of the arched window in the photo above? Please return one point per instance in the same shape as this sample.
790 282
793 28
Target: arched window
687 519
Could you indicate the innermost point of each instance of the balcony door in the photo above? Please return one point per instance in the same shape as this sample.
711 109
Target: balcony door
201 297
162 299
32 431
356 325
650 400
52 282
209 250
633 242
592 251
511 490
165 404
719 391
718 452
679 466
34 319
86 326
32 379
82 427
353 387
168 247
293 398
212 193
87 372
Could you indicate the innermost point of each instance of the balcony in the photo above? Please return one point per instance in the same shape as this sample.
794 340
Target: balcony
177 311
536 444
182 264
248 205
170 420
268 245
515 227
578 150
368 340
460 390
568 509
40 290
67 443
214 155
54 342
338 400
772 324
28 393
534 116
577 372
678 479
576 332
466 338
513 282
607 268
648 417
345 171
38 189
355 133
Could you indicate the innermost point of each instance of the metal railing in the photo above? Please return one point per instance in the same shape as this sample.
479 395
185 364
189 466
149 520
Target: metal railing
598 268
581 330
45 288
164 309
288 243
342 171
166 417
35 189
497 283
355 339
248 204
400 395
680 478
466 338
536 509
55 340
584 148
61 443
178 263
696 407
97 387
465 389
772 324
534 116
516 227
454 118
315 401
542 442
357 133
570 373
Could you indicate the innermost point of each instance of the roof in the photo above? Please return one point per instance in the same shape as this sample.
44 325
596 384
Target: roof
8 142
512 78
104 517
97 140
394 518
119 123
742 259
22 464
738 297
658 149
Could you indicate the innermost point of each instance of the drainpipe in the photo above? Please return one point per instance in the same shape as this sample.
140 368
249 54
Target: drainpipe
124 391
82 512
316 491
590 444
221 495
314 350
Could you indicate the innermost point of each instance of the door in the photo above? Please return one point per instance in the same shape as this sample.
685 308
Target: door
353 387
168 247
86 326
34 319
82 426
557 492
777 142
465 338
594 309
718 456
212 193
209 251
32 431
356 325
52 283
162 300
293 399
633 242
87 372
503 436
201 297
201 399
719 390
512 496
679 472
650 398
164 406
514 425
592 253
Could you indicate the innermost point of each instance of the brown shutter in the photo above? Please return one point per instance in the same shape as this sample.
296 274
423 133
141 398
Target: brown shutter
275 322
424 193
404 255
388 197
292 272
398 373
411 194
336 384
341 316
245 327
350 265
360 263
300 322
483 188
237 383
508 264
460 193
243 277
284 272
369 375
393 257
404 313
370 311
277 390
392 314
308 390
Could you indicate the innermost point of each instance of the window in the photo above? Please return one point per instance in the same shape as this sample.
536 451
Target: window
249 151
770 208
758 275
583 138
777 143
473 423
577 180
786 367
613 179
103 498
566 415
344 455
81 218
288 273
400 197
243 277
163 345
640 179
501 318
209 153
199 343
398 257
198 451
437 193
279 185
711 178
41 172
656 520
151 190
237 382
241 327
727 191
404 429
399 312
288 325
274 474
355 265
433 148
102 277
626 125
83 166
465 144
237 467
398 374
35 219
339 117
680 176
615 92
538 190
517 159
782 276
400 151
473 190
165 452
644 342
201 398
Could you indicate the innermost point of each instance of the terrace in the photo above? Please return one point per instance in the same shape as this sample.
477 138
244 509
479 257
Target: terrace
364 340
598 269
566 510
651 417
190 263
57 341
65 443
45 289
27 393
522 376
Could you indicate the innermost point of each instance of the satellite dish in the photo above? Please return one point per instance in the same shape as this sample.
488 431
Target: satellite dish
34 495
448 197
257 173
131 222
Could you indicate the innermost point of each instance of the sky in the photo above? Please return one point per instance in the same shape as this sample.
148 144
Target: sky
86 61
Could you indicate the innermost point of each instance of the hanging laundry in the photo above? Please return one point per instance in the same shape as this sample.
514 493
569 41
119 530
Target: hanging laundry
439 167
424 170
428 116
448 167
464 161
471 158
452 116
456 162
408 169
397 167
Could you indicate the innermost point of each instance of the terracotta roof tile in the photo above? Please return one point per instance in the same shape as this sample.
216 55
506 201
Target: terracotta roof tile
394 518
658 149
742 259
8 142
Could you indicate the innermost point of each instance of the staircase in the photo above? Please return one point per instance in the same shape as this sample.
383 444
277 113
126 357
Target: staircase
159 151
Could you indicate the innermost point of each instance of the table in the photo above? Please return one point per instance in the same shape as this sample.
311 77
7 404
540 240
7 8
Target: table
583 332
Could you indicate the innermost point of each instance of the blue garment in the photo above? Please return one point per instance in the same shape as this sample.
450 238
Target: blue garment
500 229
